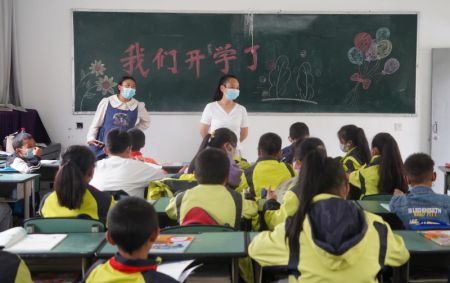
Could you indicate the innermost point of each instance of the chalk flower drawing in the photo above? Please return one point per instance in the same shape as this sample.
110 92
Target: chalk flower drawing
105 85
94 83
97 68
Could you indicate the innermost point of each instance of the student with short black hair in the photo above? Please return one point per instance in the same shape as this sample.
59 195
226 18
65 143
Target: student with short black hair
353 143
133 227
273 212
268 171
119 171
137 138
329 239
421 207
224 206
27 156
384 173
297 133
72 195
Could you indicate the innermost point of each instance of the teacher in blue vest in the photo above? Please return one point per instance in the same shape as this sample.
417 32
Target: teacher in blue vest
117 111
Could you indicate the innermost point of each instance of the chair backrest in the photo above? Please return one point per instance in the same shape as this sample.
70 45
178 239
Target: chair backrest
117 195
380 197
189 229
63 225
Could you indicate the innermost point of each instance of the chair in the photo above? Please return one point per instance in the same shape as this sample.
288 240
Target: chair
190 229
63 225
117 195
378 197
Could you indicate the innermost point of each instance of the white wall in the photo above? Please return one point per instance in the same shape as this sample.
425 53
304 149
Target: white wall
45 52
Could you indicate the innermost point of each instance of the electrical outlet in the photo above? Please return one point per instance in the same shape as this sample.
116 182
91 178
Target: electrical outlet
398 127
79 125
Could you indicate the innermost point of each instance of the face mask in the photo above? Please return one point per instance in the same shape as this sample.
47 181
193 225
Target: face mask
128 92
343 147
232 93
29 153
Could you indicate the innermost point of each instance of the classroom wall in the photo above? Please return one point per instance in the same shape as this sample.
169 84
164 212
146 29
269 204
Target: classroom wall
45 50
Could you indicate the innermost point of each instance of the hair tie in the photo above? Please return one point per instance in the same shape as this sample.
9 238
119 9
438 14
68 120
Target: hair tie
212 136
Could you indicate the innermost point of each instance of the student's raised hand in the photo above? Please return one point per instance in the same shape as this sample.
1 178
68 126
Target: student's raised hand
37 151
397 192
271 194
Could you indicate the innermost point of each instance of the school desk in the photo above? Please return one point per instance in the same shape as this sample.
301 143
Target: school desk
374 206
24 188
161 204
446 177
424 253
173 168
208 247
2 163
75 247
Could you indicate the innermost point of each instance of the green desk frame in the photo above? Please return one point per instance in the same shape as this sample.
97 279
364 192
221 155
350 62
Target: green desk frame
29 182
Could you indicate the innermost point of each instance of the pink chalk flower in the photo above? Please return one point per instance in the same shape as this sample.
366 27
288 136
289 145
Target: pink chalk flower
97 68
105 85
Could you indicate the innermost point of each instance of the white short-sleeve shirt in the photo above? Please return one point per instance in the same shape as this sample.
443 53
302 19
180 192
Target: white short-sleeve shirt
216 117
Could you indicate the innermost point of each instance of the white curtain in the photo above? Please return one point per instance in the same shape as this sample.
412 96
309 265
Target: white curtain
9 92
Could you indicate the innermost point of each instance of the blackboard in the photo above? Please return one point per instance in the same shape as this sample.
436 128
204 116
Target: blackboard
320 63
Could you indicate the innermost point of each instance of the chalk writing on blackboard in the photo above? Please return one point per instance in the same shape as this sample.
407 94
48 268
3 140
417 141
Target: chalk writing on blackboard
95 82
368 54
280 78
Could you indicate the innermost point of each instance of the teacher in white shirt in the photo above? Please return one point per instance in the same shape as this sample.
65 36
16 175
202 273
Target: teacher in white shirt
224 112
117 111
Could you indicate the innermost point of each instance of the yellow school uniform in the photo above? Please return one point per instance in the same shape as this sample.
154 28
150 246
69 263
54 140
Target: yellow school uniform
333 247
95 205
352 160
218 201
288 208
13 269
367 177
267 172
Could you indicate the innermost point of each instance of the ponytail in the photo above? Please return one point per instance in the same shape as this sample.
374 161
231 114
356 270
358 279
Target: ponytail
70 184
358 137
217 139
391 172
319 174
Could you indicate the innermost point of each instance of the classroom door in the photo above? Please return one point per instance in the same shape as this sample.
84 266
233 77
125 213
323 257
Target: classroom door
440 112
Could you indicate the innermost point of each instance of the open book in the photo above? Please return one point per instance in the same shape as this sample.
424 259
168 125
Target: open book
17 240
440 237
171 244
178 270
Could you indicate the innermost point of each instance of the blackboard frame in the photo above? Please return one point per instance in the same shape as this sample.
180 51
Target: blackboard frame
256 12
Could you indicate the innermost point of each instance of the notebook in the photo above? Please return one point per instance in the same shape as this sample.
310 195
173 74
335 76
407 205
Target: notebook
17 240
171 244
178 270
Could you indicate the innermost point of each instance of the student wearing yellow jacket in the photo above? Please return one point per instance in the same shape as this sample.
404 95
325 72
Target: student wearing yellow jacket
13 269
132 227
268 171
384 173
354 144
73 197
329 239
274 213
225 206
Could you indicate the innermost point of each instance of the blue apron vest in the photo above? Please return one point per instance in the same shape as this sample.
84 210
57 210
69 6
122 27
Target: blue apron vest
114 118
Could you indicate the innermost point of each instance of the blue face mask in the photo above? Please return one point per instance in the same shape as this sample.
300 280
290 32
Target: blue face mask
232 93
29 153
128 92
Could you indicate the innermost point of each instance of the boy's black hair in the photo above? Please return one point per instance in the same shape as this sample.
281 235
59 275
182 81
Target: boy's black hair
269 144
131 222
137 138
298 131
212 166
419 167
117 141
19 138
